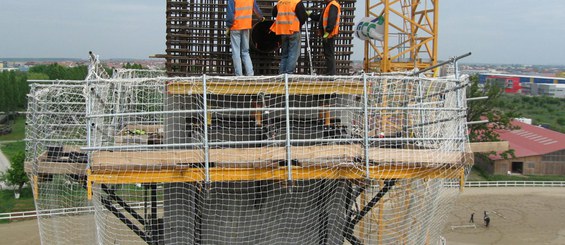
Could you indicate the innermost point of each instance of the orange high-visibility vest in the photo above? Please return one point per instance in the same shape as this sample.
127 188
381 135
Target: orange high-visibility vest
243 15
286 23
335 31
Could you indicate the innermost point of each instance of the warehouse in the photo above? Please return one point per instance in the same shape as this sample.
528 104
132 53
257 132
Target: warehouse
538 151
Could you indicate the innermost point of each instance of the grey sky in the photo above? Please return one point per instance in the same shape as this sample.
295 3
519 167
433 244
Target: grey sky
496 31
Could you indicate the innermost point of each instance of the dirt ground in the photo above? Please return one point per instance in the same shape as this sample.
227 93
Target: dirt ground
518 216
19 233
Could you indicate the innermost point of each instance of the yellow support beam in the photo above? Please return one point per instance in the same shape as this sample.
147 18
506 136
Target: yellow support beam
462 180
89 185
281 173
306 87
35 187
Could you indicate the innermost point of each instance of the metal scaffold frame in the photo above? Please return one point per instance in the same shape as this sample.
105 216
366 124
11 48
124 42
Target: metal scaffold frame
314 134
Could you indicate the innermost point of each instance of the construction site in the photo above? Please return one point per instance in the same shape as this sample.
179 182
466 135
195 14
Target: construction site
196 155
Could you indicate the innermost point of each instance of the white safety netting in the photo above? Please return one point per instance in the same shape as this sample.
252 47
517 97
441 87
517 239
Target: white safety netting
249 160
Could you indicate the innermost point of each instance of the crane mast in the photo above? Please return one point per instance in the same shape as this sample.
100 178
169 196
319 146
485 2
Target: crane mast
410 35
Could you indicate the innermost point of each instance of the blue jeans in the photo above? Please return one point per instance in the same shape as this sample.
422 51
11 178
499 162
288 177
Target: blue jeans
290 52
240 51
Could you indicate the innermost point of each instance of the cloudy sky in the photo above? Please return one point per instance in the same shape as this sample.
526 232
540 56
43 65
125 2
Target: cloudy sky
496 31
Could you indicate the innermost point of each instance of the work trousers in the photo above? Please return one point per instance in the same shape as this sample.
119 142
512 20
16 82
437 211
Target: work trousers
329 54
290 52
240 51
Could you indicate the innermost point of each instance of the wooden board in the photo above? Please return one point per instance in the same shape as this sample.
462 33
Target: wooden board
48 167
305 156
328 156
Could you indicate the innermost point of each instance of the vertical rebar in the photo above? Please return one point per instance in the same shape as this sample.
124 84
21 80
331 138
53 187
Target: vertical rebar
196 43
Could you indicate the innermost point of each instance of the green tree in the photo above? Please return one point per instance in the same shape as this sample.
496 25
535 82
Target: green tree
13 91
55 71
16 174
561 121
132 66
37 76
488 109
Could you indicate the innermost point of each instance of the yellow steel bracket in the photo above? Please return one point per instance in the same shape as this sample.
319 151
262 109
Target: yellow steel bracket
35 187
88 184
462 180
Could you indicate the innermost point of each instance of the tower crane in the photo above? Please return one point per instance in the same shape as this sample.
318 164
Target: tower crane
410 35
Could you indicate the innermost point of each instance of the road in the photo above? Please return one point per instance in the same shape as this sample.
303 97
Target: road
4 163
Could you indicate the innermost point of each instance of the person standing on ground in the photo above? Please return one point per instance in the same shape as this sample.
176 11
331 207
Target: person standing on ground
472 220
238 24
486 219
290 15
329 24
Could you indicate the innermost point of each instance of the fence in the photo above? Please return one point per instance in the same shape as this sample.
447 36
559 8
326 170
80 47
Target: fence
60 211
509 184
515 184
90 209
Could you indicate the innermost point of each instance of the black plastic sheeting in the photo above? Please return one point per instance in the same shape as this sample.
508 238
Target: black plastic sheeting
263 39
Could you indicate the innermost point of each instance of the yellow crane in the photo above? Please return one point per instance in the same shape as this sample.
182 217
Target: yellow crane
410 35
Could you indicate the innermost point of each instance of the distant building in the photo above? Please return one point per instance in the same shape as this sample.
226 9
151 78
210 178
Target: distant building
551 90
538 151
8 69
530 85
524 120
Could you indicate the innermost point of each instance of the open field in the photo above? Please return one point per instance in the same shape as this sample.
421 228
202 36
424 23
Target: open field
518 216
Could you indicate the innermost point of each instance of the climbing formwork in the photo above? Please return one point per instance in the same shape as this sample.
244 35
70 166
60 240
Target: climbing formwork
249 160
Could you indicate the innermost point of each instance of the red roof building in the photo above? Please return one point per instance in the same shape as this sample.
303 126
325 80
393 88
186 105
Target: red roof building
538 151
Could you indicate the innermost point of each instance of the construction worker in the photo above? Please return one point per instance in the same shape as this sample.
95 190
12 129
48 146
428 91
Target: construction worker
238 24
290 15
329 28
486 219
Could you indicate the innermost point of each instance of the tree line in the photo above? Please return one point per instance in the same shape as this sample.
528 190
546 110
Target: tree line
13 91
14 85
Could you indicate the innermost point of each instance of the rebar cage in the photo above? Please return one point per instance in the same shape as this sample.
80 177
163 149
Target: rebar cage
197 44
287 159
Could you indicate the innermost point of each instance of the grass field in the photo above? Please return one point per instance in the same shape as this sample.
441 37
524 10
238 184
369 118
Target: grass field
18 130
15 139
10 204
11 149
542 109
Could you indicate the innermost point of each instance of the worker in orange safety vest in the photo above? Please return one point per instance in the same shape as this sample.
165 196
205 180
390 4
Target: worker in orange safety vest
239 23
329 28
290 15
